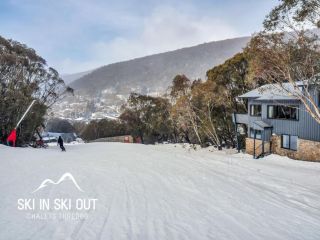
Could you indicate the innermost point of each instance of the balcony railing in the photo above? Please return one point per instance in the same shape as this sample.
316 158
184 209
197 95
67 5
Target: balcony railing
240 118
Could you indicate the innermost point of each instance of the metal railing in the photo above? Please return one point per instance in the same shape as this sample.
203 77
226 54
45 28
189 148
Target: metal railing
262 150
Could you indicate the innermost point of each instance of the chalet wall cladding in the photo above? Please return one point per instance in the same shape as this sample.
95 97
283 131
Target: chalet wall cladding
307 150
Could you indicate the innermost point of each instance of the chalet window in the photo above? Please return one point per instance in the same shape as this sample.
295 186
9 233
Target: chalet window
255 110
251 132
258 133
294 143
271 112
283 112
285 141
289 142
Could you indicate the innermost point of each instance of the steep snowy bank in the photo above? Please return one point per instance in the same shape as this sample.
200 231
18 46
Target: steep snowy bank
161 192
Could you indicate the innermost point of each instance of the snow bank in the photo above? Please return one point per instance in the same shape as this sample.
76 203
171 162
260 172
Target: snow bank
162 192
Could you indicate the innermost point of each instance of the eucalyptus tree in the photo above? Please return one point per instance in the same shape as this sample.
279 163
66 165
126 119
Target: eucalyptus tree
25 76
288 51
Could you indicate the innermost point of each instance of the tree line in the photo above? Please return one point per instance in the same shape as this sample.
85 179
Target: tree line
197 111
192 110
25 76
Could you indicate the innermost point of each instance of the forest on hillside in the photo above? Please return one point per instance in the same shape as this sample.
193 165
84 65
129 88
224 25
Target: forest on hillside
197 111
200 111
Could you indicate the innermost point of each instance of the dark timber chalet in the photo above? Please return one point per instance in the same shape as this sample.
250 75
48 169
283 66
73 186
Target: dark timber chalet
277 122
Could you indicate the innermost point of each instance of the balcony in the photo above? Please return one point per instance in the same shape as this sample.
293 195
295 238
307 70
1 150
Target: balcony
240 118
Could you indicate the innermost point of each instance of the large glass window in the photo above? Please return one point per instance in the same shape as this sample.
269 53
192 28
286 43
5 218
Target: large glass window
289 142
255 110
283 112
258 133
271 111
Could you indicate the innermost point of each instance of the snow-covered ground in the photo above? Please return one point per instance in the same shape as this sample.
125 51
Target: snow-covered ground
159 192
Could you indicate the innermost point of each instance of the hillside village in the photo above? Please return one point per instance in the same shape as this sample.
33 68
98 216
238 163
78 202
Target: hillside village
109 86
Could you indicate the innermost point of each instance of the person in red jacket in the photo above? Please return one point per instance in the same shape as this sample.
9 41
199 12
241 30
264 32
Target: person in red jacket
12 138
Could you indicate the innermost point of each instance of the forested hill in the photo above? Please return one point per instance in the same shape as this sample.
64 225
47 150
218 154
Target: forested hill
68 78
155 72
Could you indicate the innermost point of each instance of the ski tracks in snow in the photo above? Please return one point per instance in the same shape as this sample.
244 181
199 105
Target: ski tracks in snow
166 192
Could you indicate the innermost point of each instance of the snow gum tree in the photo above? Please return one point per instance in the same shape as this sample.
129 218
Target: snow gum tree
185 120
101 129
148 117
224 84
201 111
24 76
288 51
197 112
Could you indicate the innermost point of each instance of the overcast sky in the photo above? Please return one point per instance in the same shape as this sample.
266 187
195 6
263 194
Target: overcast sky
78 35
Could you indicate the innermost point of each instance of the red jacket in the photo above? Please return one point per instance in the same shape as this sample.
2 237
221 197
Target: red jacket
13 136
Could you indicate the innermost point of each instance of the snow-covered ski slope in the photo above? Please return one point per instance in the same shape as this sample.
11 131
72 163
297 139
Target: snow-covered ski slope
161 192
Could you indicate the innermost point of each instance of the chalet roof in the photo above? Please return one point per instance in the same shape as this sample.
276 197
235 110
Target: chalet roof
260 125
285 91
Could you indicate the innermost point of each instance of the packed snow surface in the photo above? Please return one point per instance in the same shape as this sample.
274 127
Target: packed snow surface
160 192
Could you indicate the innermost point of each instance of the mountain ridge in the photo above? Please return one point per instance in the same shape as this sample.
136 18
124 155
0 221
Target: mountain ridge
101 93
155 72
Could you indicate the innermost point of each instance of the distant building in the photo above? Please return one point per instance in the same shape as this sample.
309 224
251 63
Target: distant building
277 122
123 139
67 137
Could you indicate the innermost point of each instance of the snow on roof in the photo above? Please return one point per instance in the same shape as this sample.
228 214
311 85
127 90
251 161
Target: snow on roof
260 125
286 91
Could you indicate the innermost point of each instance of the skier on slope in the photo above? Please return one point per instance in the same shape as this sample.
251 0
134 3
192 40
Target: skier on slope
60 142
